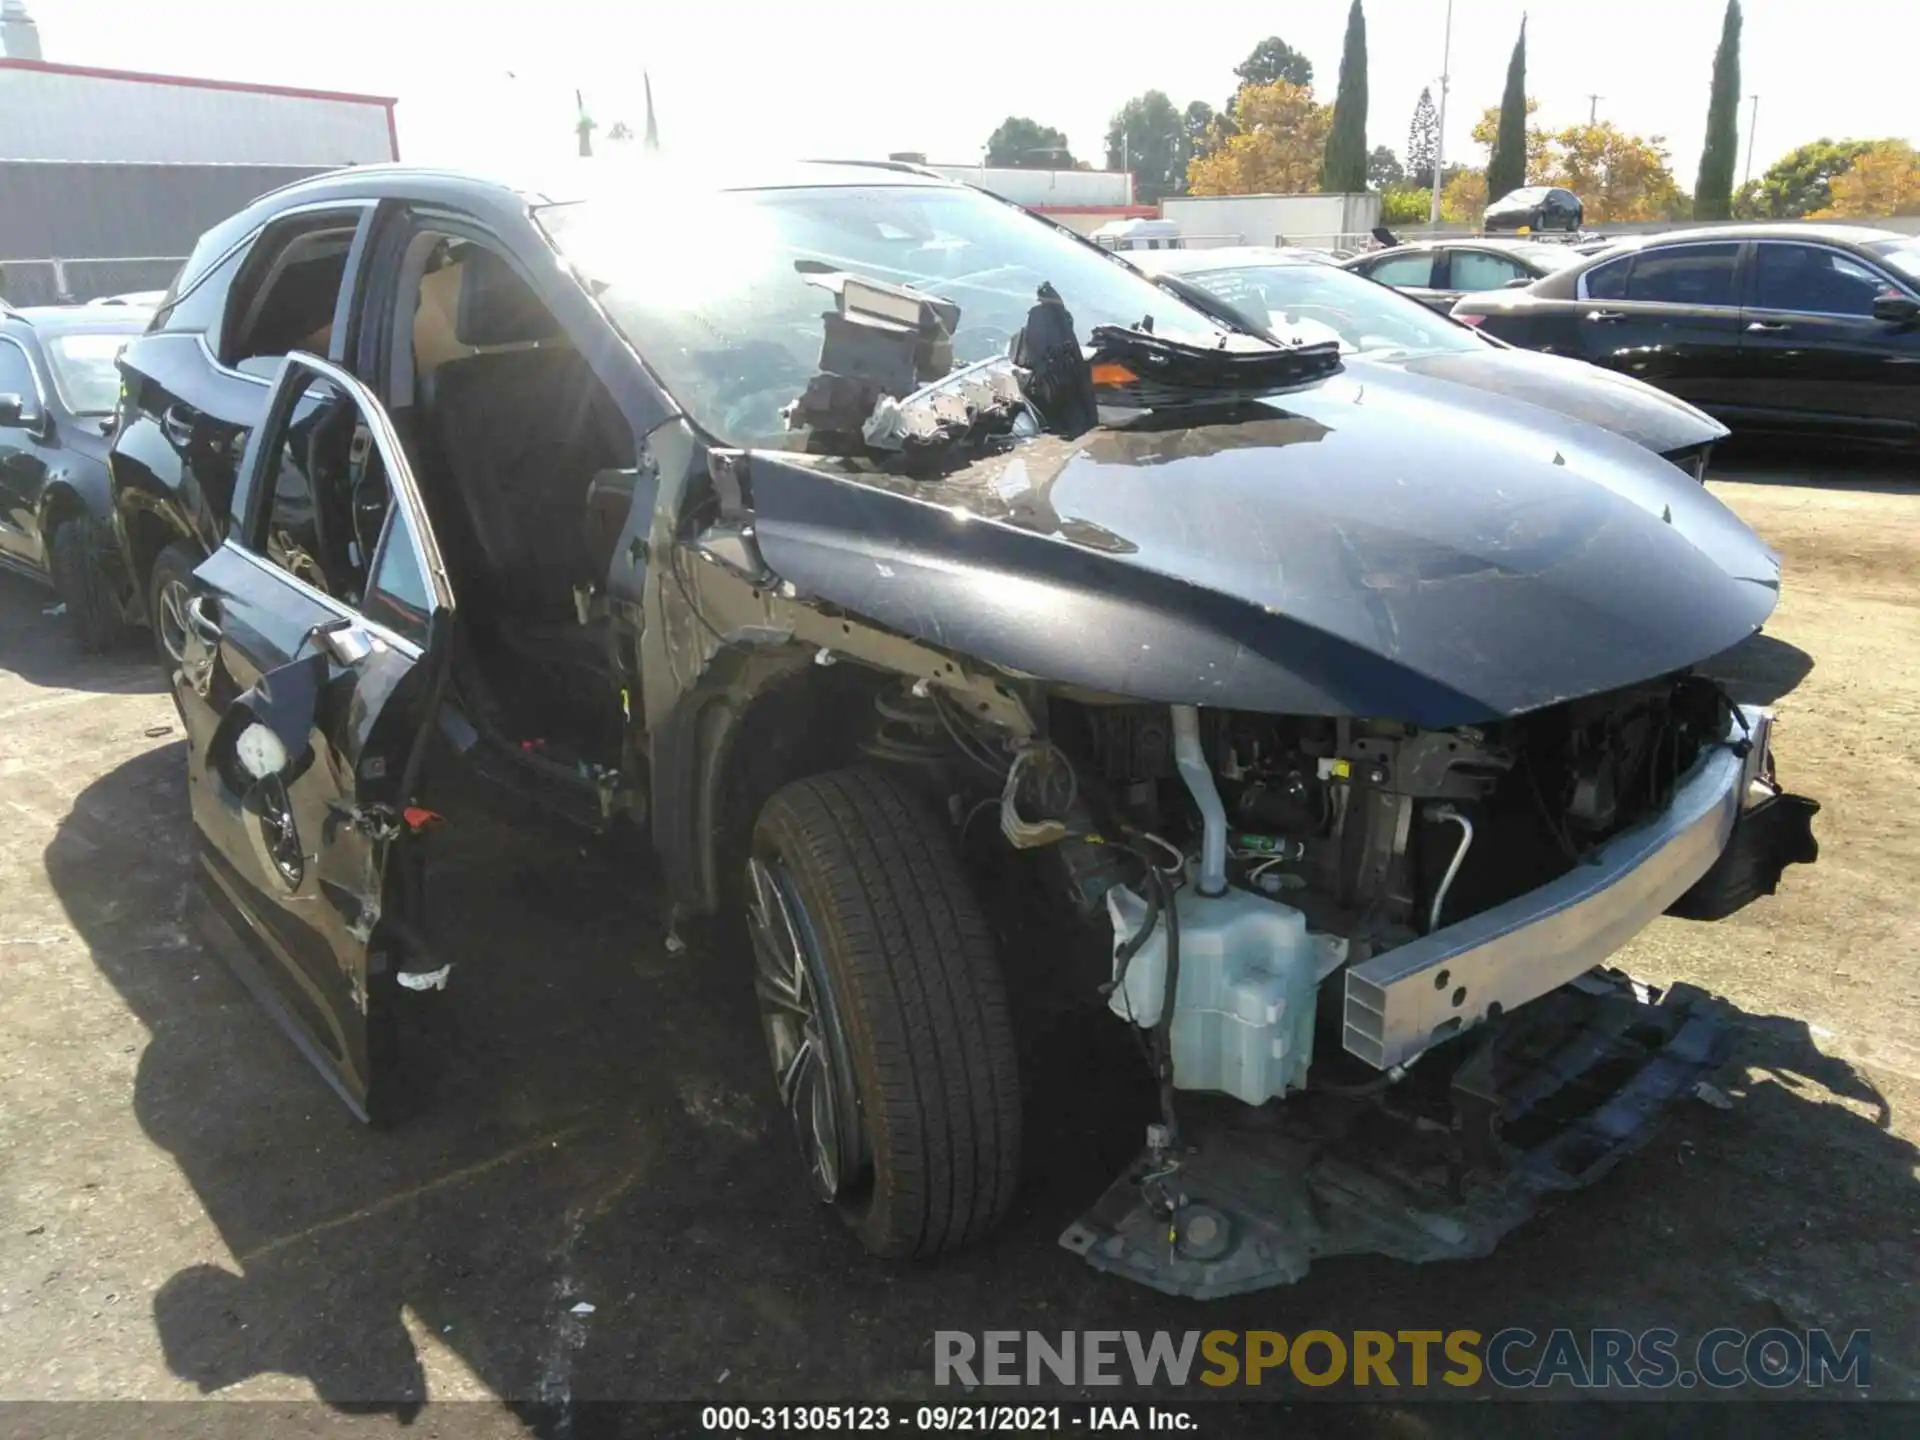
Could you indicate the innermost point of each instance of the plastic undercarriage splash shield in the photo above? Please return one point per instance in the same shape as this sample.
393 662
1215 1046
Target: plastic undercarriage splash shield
1437 1167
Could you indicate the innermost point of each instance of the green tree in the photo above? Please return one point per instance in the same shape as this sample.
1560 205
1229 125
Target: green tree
1273 59
1507 165
1799 182
1423 140
1713 191
1148 136
1022 144
1384 170
1345 165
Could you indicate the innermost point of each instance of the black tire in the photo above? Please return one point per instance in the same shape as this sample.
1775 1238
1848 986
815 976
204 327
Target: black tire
73 558
172 566
909 964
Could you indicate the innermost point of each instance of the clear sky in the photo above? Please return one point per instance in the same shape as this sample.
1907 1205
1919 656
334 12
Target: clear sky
479 80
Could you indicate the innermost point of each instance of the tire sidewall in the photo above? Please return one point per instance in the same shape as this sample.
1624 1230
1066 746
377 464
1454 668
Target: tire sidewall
73 566
777 838
173 562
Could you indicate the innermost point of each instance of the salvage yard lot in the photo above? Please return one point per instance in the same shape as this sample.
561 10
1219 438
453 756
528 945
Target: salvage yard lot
185 1208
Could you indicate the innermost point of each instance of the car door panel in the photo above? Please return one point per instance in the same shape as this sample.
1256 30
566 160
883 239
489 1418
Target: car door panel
1813 356
1416 275
1675 324
305 720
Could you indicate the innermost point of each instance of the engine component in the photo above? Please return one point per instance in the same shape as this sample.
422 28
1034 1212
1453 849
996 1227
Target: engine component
1127 743
1243 1007
1447 812
1193 767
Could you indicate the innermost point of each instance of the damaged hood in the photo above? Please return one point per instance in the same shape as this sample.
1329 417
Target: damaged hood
1577 390
1367 545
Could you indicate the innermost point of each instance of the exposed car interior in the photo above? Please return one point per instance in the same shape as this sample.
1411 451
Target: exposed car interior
287 301
508 429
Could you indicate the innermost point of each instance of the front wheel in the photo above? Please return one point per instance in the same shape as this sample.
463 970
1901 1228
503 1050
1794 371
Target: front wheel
169 588
884 1011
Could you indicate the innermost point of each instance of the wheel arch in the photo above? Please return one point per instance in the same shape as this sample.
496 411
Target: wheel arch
757 722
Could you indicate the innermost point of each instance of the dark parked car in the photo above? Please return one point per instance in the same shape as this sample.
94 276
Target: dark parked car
1536 207
1439 272
1775 329
58 393
881 552
1298 293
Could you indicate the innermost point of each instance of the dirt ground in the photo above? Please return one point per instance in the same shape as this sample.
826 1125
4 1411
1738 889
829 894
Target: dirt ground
186 1210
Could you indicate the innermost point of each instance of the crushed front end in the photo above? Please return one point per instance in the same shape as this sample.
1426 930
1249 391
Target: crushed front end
1369 960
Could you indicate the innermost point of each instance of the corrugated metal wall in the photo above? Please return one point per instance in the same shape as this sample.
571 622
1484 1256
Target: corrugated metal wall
60 115
49 210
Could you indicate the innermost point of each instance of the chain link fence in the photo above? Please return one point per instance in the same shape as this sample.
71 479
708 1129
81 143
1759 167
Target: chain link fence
68 282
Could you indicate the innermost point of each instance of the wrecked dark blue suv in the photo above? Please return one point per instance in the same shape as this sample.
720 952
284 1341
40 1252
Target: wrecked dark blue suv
887 557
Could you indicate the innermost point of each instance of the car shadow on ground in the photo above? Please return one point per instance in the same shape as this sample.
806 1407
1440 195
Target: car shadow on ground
1805 464
594 1128
1760 669
37 644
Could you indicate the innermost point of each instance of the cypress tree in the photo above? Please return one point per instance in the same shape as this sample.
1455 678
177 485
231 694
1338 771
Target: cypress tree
1713 191
1507 166
1344 167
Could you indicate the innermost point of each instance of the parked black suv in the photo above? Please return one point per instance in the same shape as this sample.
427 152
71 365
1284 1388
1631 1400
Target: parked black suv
881 552
58 393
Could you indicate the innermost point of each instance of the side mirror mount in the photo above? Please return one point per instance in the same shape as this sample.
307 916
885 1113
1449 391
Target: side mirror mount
20 412
1519 282
1894 309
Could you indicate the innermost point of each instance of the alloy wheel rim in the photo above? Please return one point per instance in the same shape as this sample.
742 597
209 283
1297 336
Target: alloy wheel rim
173 620
805 1039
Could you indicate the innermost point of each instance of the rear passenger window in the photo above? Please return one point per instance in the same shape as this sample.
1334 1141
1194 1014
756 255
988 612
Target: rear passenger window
1480 270
198 311
284 298
1685 275
1404 270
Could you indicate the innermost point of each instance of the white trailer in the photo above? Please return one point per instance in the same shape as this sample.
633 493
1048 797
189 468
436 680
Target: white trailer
1336 223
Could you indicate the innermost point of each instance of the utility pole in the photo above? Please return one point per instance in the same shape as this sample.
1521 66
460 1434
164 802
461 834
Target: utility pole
1440 134
1593 108
1753 124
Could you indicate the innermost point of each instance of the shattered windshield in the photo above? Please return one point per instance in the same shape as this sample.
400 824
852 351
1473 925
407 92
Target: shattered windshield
1317 302
707 290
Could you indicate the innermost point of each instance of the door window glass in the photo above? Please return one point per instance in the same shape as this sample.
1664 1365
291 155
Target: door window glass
1809 278
16 376
399 597
1609 281
327 495
1684 275
1481 270
1404 270
284 300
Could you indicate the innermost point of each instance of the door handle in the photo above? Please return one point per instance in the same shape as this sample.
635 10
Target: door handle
1606 317
1768 327
346 643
